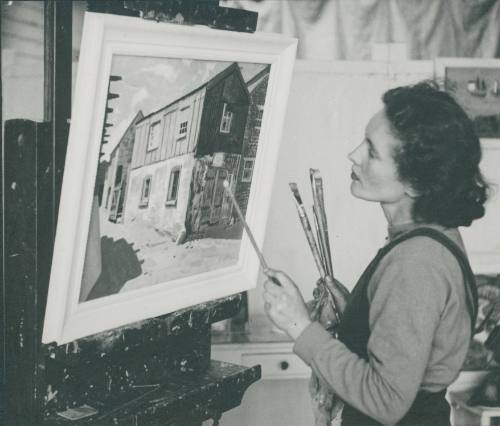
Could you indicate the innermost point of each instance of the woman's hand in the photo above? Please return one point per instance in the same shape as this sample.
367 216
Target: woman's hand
284 304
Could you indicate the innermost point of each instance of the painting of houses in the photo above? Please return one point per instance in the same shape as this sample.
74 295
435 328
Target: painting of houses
180 129
183 153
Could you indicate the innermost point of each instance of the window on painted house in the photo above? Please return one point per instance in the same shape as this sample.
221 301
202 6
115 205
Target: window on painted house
227 118
247 169
183 122
173 187
258 116
146 190
183 129
114 199
107 197
154 135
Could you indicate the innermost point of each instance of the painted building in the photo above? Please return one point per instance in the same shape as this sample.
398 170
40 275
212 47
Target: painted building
257 88
182 154
118 172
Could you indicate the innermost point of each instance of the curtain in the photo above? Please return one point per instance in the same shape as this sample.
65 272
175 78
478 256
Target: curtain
347 29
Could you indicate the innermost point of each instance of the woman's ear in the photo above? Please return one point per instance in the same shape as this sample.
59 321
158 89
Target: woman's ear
411 192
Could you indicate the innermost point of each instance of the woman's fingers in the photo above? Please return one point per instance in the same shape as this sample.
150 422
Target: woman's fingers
277 301
272 288
286 283
272 275
269 298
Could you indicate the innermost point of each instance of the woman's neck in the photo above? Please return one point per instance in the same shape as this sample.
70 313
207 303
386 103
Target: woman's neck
398 213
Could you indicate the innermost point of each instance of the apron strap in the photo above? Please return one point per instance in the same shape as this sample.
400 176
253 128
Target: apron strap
469 279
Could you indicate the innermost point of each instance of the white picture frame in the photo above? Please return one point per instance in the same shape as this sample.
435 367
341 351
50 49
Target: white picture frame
108 43
472 82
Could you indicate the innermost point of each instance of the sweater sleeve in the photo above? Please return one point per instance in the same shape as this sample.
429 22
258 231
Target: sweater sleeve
406 301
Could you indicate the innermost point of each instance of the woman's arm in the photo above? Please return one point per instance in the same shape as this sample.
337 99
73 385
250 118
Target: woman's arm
404 313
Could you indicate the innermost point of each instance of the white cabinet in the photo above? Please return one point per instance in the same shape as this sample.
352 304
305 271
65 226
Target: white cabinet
281 397
276 359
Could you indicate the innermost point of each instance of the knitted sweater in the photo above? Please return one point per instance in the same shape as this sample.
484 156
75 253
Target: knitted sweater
419 331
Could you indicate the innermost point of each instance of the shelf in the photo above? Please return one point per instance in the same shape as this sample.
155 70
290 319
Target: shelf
181 398
465 415
259 329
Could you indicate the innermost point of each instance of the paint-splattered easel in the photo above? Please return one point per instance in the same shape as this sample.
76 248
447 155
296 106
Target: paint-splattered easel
156 372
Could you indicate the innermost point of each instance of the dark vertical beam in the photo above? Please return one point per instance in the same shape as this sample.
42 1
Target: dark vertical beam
57 107
33 157
3 383
26 266
32 165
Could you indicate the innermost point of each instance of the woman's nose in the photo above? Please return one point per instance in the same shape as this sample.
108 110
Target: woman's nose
353 155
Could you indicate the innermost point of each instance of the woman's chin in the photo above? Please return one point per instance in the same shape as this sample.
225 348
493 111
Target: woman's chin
355 190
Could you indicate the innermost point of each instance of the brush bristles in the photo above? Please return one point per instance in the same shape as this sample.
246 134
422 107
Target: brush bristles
316 174
295 191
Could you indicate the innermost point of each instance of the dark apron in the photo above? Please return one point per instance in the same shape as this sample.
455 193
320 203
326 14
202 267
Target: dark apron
429 408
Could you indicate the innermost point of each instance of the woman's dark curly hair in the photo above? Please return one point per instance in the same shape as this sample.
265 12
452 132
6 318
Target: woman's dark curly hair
439 155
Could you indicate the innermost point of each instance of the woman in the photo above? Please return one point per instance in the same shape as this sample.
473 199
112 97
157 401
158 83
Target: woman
408 322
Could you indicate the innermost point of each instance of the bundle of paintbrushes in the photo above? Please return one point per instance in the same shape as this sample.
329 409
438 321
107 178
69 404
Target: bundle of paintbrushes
329 295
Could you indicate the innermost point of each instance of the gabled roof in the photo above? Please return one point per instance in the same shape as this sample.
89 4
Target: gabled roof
208 84
138 117
224 73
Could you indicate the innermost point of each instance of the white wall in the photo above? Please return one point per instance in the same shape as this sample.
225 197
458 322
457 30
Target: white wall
22 60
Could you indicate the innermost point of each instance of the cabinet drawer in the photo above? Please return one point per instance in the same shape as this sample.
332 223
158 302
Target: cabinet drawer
278 365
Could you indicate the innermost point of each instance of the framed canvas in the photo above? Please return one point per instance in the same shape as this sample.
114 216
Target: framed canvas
475 84
163 114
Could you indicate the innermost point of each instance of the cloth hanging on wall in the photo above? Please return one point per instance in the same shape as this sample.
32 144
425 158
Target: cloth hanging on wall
347 29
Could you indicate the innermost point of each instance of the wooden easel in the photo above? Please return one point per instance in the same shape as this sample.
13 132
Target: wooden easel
155 372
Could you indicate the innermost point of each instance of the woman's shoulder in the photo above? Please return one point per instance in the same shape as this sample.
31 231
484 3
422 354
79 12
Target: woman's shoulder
432 249
422 240
419 262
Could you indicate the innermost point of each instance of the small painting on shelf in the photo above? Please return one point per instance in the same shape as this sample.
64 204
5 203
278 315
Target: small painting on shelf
475 83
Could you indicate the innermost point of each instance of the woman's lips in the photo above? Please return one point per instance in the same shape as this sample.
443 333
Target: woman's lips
354 176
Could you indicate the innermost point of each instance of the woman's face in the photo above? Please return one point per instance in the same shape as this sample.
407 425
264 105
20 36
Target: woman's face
374 171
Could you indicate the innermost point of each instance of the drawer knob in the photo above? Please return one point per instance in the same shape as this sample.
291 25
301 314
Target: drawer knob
284 365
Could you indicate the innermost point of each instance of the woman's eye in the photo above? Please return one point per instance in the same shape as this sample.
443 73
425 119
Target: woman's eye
371 151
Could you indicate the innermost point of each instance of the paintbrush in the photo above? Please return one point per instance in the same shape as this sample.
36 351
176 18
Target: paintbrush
327 279
307 229
319 210
262 260
316 217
